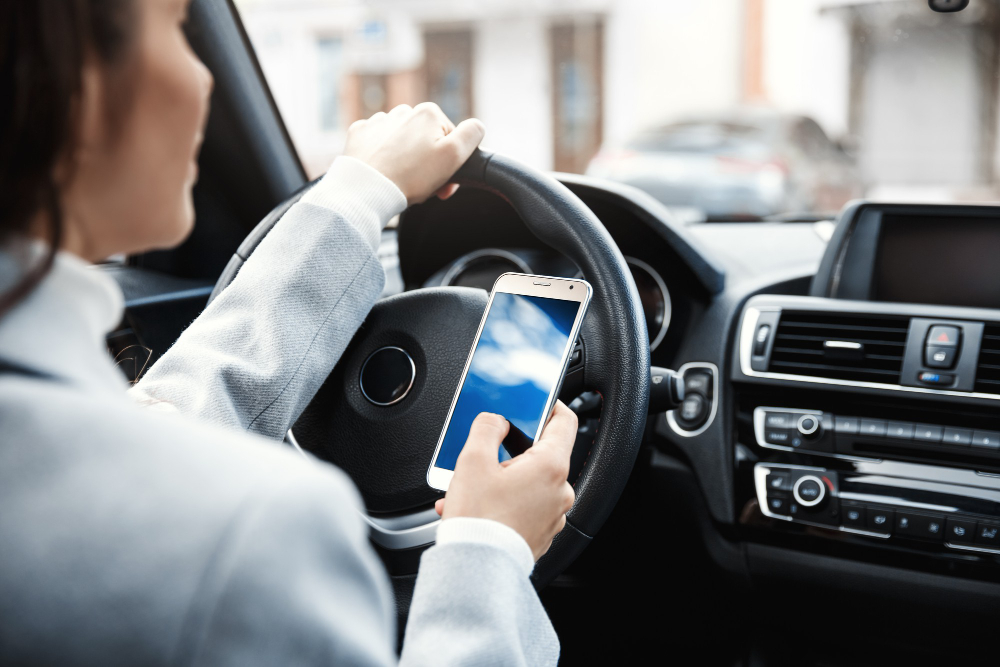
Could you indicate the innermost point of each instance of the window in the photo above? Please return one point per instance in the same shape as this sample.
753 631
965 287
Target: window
330 70
592 86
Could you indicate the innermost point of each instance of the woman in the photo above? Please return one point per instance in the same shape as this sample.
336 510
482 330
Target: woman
166 526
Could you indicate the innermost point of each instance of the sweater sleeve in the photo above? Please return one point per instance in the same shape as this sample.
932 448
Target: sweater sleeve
257 355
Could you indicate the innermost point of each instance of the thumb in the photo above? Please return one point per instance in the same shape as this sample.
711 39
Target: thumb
487 432
465 138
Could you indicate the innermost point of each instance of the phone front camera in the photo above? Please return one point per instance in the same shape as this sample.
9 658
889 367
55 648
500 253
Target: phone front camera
571 287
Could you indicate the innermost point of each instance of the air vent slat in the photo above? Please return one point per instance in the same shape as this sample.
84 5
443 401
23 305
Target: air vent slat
988 369
869 348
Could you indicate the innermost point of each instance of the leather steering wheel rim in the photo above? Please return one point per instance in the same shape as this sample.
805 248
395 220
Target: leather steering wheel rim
617 361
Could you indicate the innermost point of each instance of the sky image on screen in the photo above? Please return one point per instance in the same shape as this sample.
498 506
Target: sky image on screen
516 364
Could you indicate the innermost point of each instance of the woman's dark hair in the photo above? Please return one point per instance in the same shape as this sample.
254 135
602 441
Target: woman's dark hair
43 46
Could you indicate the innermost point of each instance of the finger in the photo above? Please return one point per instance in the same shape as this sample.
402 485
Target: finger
357 125
560 433
447 191
483 445
508 462
439 506
377 117
400 110
464 139
434 113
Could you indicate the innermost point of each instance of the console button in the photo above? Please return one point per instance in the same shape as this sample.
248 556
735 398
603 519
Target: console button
959 530
778 481
810 427
760 339
901 430
957 436
943 335
778 420
987 439
935 379
694 410
696 382
777 504
880 520
919 526
872 427
848 425
927 433
778 436
938 356
988 534
854 515
809 491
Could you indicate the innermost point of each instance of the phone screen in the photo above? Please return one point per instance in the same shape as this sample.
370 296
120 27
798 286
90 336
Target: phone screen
515 367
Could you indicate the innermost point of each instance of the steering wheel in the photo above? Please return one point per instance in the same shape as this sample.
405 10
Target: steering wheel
386 447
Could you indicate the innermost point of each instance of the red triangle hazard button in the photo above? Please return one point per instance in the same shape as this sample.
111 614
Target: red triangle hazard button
943 338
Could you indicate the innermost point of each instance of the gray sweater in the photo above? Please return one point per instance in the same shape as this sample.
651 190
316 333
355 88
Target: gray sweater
178 531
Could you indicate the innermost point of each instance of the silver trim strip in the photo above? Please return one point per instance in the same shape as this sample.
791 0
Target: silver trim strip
668 306
842 344
966 547
463 262
406 531
748 326
716 390
413 376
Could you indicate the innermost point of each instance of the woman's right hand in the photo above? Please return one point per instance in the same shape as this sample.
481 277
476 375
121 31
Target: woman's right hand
416 148
529 493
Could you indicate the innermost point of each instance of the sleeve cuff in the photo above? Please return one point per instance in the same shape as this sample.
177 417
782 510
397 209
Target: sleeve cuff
489 532
361 194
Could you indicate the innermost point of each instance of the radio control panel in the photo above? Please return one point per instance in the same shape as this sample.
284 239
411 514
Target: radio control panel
824 433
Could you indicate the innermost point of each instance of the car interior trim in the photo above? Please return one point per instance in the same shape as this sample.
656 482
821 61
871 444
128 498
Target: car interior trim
749 325
717 389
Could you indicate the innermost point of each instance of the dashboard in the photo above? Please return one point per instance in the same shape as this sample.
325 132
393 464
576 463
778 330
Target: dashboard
841 422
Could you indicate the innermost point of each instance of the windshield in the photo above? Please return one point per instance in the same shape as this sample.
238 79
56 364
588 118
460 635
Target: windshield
722 110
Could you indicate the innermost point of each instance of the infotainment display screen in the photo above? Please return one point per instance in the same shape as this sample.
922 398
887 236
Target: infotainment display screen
953 261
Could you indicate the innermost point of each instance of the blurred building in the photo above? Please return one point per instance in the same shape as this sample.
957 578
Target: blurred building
913 92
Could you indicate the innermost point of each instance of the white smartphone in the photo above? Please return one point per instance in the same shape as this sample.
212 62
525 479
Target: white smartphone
516 365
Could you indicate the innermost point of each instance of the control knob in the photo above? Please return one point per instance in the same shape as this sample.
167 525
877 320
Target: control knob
809 491
809 427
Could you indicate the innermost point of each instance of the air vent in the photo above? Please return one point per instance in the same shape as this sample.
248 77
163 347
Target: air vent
988 370
838 346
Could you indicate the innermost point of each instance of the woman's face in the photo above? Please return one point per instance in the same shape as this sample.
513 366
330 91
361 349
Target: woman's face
128 184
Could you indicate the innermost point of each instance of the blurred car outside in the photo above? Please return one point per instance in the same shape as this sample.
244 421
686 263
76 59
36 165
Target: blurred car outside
740 165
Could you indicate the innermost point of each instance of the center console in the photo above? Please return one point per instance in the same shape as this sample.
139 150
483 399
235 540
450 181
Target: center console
868 412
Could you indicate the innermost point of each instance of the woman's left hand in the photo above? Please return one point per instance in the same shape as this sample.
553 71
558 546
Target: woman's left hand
417 148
